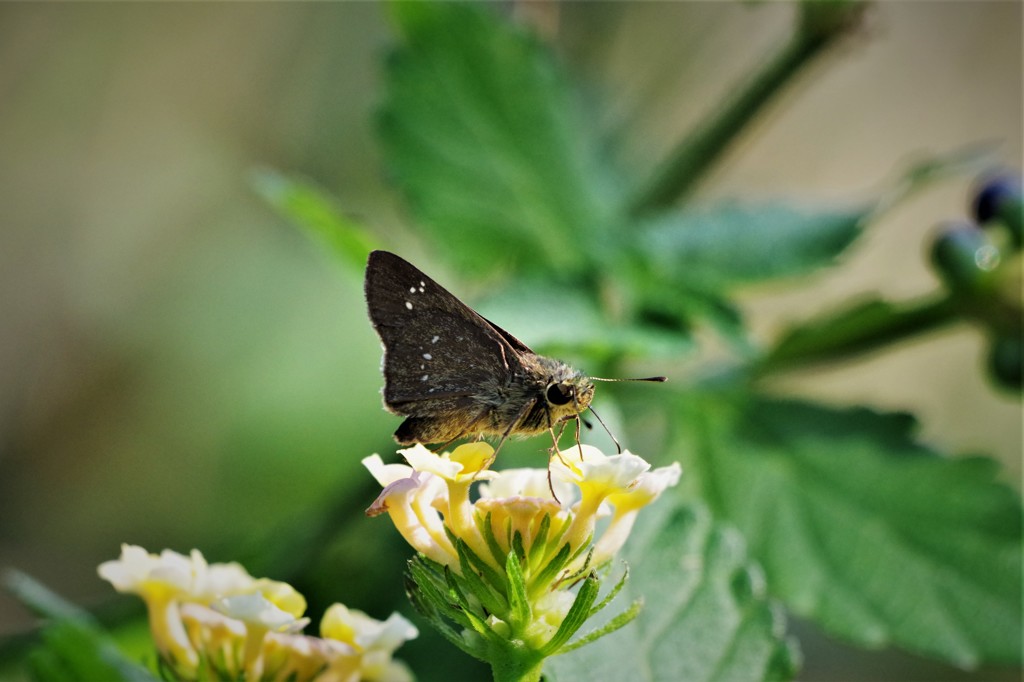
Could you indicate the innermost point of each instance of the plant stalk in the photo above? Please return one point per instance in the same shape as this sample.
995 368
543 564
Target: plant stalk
680 172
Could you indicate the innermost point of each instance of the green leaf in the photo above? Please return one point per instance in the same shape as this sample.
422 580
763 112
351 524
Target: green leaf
875 537
74 647
577 614
482 136
75 650
712 247
612 593
565 321
316 212
518 602
429 599
554 566
704 617
482 589
924 171
620 621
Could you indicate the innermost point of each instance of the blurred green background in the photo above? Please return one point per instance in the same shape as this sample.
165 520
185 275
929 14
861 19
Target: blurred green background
182 368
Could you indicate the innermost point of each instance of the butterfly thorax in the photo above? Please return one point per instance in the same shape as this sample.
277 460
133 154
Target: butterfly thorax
552 392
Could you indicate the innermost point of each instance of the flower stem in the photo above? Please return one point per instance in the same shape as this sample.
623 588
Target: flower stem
858 330
689 160
520 666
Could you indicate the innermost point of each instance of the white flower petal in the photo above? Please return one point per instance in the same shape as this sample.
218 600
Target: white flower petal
386 474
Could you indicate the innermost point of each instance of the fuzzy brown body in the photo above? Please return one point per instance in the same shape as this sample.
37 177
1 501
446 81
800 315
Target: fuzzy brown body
452 373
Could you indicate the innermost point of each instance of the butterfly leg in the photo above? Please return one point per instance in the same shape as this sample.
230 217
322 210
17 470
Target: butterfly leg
554 440
511 427
579 445
555 452
618 448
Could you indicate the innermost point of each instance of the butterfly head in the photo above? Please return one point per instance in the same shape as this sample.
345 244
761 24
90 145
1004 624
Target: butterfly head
568 393
578 391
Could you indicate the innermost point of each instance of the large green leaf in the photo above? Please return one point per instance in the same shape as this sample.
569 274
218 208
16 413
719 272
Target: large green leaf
316 212
705 617
858 527
710 247
482 136
563 320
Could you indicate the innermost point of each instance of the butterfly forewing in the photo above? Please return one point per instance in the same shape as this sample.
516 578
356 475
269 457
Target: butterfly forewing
438 353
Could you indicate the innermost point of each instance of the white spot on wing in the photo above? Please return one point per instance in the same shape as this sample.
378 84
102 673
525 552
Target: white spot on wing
424 377
408 304
412 290
435 339
428 356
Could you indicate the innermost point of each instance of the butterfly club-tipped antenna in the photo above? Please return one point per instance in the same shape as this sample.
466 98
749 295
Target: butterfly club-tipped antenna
611 435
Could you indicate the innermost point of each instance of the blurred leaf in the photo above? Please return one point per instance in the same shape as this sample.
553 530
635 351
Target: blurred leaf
705 616
316 212
74 651
859 328
926 170
875 537
41 599
683 305
554 320
483 138
730 243
74 648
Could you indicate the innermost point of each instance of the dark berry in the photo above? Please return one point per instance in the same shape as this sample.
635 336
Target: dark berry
999 200
963 254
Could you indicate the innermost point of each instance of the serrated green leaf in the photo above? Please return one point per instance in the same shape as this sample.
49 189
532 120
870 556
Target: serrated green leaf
875 537
431 603
316 212
703 619
518 602
711 247
619 584
577 614
554 566
620 620
482 136
475 584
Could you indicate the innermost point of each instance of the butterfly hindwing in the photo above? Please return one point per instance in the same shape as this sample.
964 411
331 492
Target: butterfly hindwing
439 355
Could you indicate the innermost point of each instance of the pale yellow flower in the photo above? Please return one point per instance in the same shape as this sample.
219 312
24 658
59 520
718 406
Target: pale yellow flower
216 622
549 537
412 503
375 640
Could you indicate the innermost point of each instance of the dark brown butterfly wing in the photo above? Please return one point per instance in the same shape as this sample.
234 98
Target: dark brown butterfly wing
443 363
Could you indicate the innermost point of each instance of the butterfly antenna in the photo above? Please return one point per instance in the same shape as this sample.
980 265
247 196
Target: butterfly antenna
610 434
657 379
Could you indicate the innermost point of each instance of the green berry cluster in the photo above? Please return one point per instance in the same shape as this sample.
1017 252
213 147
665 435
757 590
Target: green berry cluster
979 261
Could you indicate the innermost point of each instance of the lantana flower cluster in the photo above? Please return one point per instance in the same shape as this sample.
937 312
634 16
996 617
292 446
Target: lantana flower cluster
515 568
217 622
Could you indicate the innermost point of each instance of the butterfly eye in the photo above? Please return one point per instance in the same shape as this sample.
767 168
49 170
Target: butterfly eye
558 394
